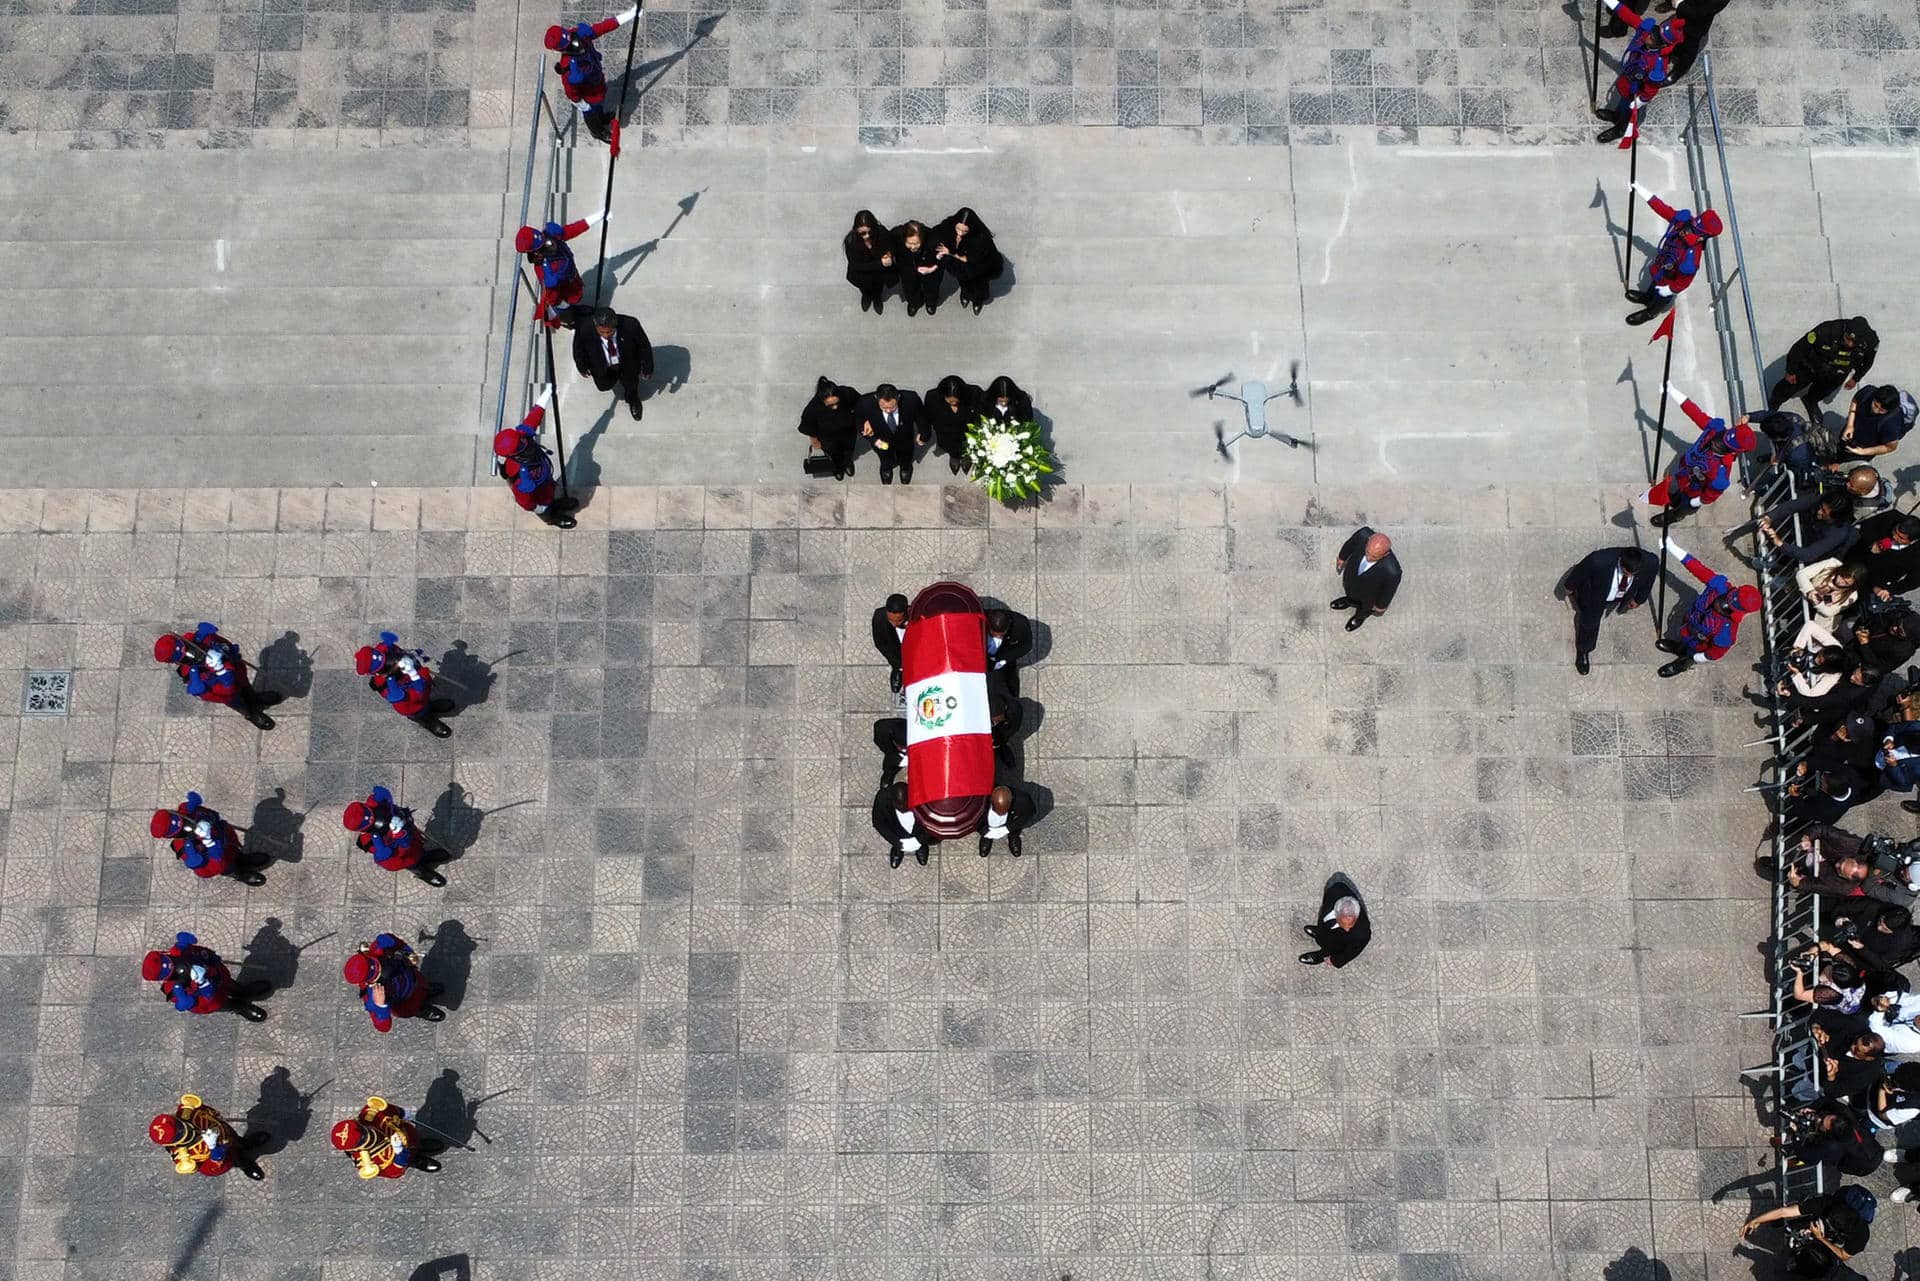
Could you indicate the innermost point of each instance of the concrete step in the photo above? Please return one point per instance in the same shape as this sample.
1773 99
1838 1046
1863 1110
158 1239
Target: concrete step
250 264
294 408
291 173
250 217
198 461
216 362
216 310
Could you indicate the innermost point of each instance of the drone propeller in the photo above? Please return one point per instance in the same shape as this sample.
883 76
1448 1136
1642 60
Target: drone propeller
1293 382
1294 442
1220 436
1212 387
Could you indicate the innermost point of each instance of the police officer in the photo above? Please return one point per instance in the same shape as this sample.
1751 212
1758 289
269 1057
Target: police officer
201 1141
1704 472
381 1141
546 248
194 980
1645 67
1676 259
582 77
1834 353
209 665
387 832
528 467
401 676
1711 625
390 983
203 840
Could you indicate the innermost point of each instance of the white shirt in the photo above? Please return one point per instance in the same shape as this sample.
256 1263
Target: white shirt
1901 1036
611 347
1364 564
1619 585
901 632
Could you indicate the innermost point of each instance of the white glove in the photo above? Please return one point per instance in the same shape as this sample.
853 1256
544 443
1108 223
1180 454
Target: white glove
1674 391
546 398
594 220
1640 191
1676 549
395 826
909 845
203 830
215 663
1694 502
634 12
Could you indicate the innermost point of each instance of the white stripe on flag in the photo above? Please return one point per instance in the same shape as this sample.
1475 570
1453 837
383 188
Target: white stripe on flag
947 704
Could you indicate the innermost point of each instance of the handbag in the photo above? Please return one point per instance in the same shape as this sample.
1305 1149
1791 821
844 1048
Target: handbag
816 464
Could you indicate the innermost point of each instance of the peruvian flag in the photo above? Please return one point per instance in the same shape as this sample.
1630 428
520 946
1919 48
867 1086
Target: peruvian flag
943 665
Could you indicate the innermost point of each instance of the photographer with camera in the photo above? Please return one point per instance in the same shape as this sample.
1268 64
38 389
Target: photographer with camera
1826 792
1822 1231
1879 936
1825 979
1830 1135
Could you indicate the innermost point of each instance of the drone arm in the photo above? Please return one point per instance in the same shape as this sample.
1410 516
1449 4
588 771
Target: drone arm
1227 395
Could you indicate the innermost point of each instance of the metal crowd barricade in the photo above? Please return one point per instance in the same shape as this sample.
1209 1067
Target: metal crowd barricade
1796 917
552 149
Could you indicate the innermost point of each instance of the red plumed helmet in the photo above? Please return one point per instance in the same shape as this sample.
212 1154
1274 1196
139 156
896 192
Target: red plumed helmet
358 969
526 238
1710 223
165 647
1742 438
165 823
507 443
1749 598
166 1130
556 36
348 1135
358 817
154 967
363 660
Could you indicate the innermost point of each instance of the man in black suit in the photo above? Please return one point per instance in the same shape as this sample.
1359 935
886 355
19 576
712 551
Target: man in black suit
893 421
900 827
1889 548
1009 639
1007 716
1609 581
890 736
889 632
1369 575
1009 810
614 349
1342 930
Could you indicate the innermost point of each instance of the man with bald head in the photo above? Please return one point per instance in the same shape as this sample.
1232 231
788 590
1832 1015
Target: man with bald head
1369 575
1008 812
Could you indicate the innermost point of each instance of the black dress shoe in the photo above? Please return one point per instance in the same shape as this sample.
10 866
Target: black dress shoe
906 476
879 306
913 309
1353 624
932 308
886 478
1340 602
633 407
977 306
1660 520
1612 133
426 1164
897 857
986 847
866 303
1671 646
1674 668
1640 296
1013 844
920 855
1312 958
1581 665
1911 807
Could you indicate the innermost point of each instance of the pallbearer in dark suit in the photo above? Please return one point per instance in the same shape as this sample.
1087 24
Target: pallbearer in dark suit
614 350
1009 810
890 736
1342 930
951 408
892 420
1369 575
894 819
1009 639
1612 580
889 630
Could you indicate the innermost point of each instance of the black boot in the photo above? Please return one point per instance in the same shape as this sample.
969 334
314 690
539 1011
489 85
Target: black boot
426 1165
1677 666
1613 132
430 876
1580 663
1640 296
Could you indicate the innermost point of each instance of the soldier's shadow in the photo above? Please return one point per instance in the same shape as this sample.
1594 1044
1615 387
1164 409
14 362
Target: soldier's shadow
448 1110
281 1111
470 676
448 961
448 1267
272 957
647 74
285 668
273 834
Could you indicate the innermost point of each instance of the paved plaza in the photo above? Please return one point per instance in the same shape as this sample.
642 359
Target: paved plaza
257 262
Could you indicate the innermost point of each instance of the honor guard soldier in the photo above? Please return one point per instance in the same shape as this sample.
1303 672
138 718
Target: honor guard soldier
401 676
203 840
194 980
1645 68
528 467
387 832
1676 259
390 983
583 78
211 668
1703 473
546 248
381 1141
201 1141
1711 625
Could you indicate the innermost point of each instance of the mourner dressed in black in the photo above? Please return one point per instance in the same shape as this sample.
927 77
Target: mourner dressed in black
891 419
966 248
950 411
830 425
871 261
1009 640
890 633
1004 404
918 262
1609 581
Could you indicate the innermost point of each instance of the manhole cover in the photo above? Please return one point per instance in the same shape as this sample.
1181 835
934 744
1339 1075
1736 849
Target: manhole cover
46 694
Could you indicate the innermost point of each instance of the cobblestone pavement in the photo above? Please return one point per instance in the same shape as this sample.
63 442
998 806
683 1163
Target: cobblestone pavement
361 72
698 1028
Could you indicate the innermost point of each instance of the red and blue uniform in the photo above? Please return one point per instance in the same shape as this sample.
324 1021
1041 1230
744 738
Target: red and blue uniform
201 839
1705 471
583 77
206 661
525 463
191 976
1645 67
546 248
386 831
1711 625
1677 259
388 963
401 676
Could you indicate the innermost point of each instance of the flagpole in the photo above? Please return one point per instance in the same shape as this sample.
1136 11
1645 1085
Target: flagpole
560 441
613 157
1593 79
1659 440
1633 194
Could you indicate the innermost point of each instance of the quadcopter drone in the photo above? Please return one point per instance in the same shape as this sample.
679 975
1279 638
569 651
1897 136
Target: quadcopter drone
1254 397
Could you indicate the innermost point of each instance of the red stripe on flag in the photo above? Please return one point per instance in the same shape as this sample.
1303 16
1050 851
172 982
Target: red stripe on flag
944 643
957 765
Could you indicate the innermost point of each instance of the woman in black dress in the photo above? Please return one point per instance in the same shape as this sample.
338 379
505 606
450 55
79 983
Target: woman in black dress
951 409
966 249
919 267
829 425
1004 404
870 260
